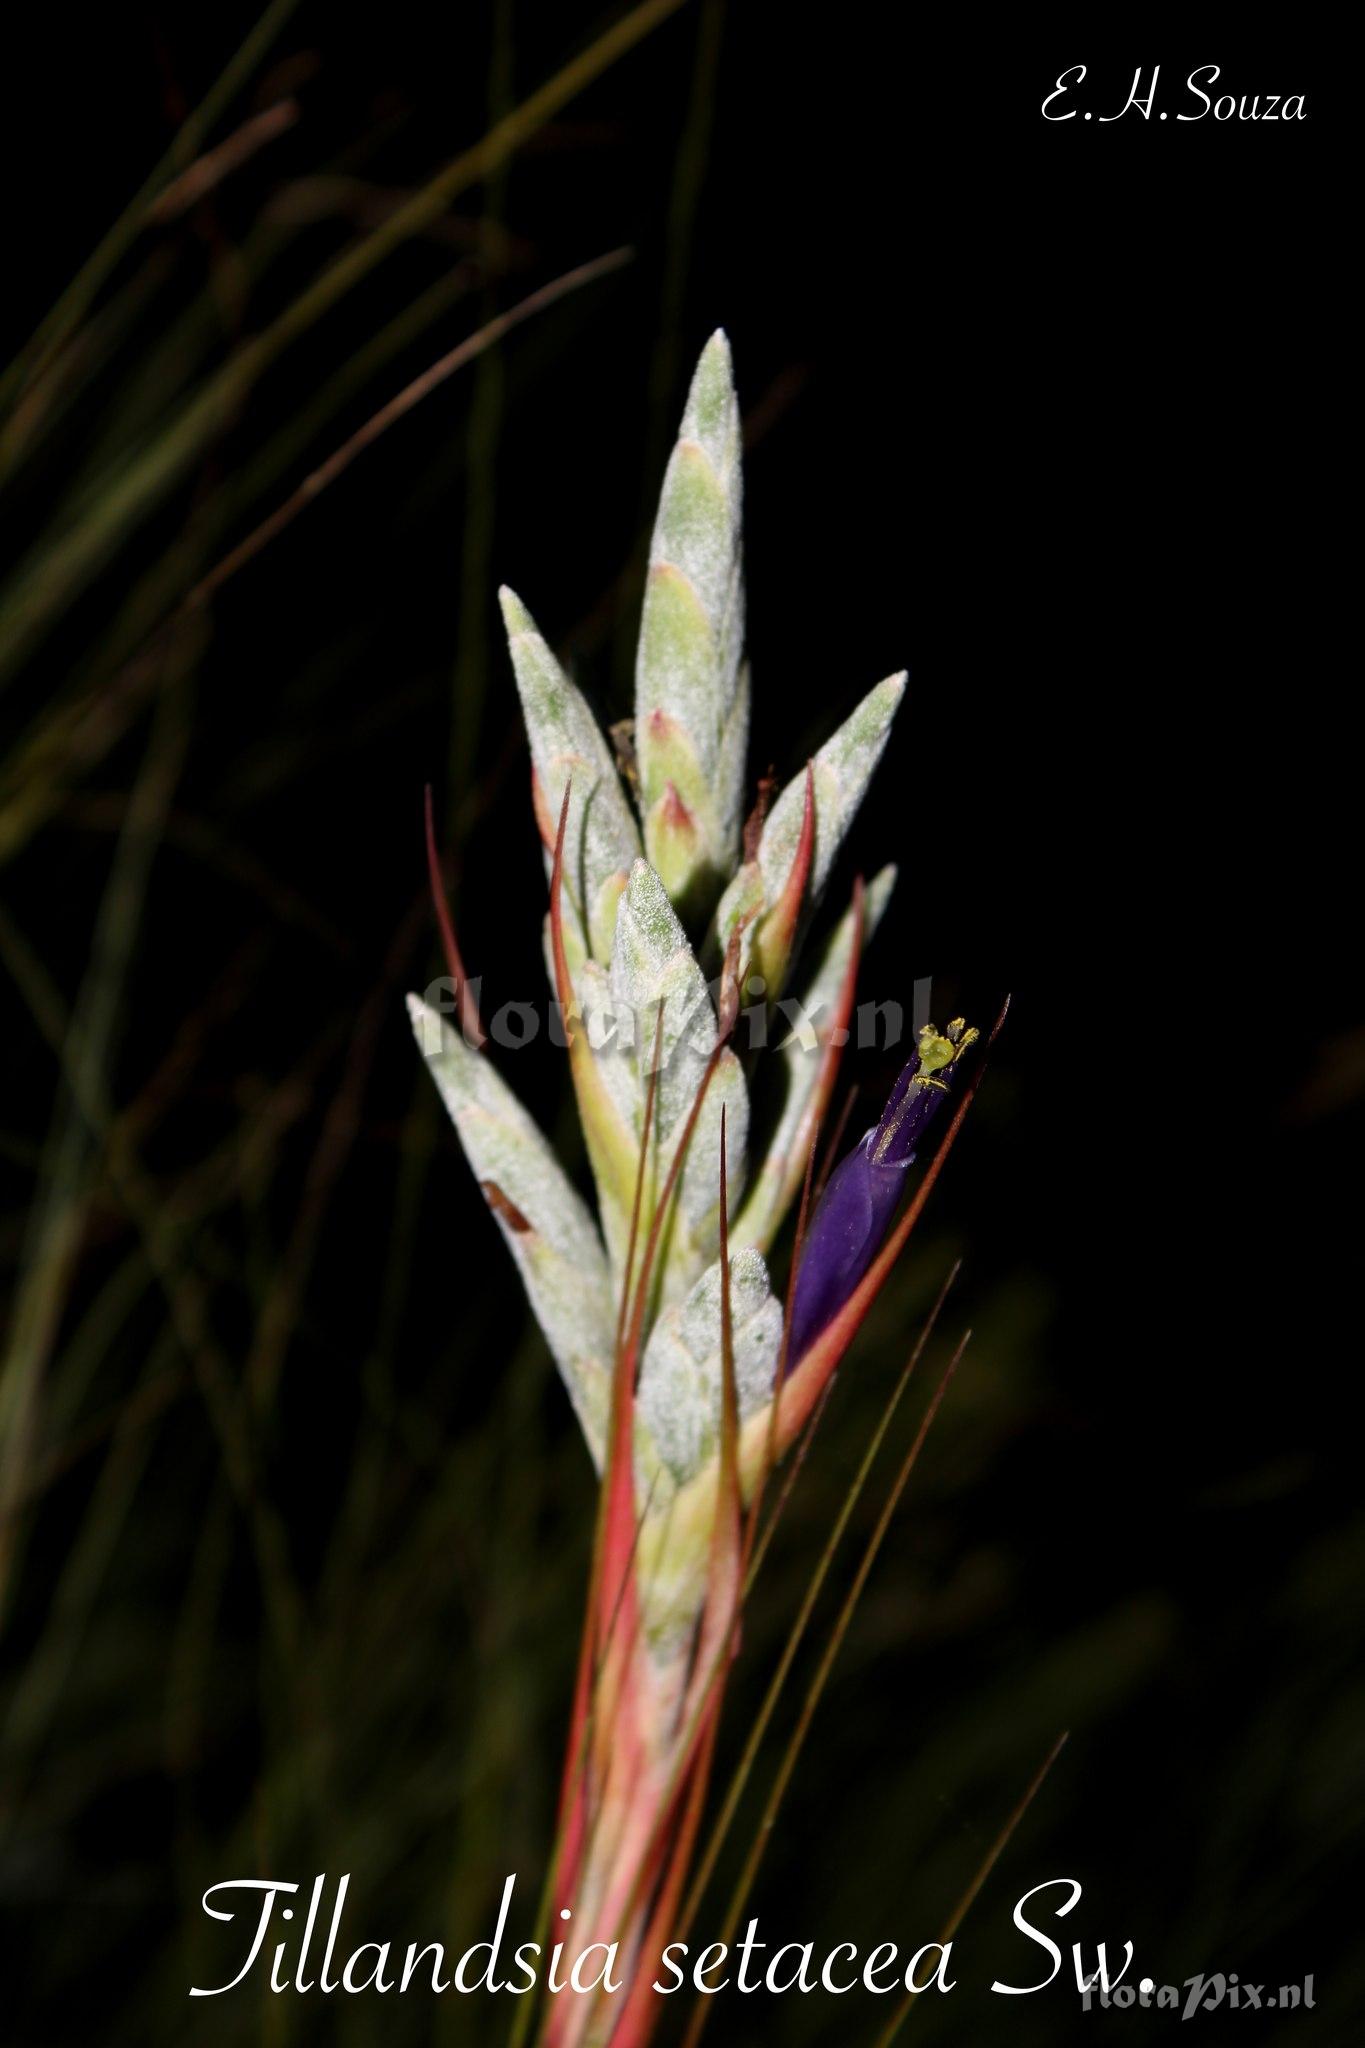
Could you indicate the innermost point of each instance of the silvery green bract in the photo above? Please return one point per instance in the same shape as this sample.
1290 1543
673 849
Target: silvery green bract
645 904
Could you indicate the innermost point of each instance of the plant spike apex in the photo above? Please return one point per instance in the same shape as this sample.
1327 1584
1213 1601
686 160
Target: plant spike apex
691 694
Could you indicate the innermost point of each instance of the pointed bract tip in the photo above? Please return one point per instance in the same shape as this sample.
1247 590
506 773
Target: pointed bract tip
711 414
426 1027
515 616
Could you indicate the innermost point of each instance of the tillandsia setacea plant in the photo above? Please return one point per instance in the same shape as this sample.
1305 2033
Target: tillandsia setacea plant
670 915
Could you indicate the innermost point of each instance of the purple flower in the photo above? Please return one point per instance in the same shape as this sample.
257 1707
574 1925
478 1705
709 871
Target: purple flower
862 1194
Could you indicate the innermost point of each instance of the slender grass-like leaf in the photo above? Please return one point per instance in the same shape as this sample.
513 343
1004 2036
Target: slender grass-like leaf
59 567
79 295
983 1871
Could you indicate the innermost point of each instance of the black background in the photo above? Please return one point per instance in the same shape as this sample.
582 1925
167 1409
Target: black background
1052 415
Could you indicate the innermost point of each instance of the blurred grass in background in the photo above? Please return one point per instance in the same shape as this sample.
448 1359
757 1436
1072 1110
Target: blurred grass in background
293 1519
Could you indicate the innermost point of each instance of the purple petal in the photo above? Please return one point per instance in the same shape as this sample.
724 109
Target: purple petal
851 1219
863 1193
